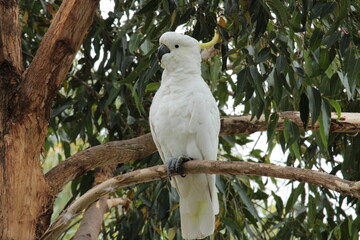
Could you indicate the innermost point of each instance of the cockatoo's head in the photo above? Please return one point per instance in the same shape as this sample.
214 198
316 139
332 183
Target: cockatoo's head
179 52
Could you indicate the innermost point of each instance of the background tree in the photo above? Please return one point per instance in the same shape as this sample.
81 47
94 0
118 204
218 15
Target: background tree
280 55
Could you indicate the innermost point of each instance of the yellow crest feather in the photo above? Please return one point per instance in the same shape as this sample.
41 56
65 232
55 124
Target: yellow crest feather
213 41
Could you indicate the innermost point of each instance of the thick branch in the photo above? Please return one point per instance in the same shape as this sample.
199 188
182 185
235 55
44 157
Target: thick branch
10 61
140 147
349 122
92 220
93 217
106 154
10 35
201 166
56 53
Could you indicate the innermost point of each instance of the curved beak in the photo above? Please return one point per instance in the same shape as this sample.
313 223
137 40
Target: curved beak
163 49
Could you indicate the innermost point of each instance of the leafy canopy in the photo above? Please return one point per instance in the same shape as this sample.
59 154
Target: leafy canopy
281 56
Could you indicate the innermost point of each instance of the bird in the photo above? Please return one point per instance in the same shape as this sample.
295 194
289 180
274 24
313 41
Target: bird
185 124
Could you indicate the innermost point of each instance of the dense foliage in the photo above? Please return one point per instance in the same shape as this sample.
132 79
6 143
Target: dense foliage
275 56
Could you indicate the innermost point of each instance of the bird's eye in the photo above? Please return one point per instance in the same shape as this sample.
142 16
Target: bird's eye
177 46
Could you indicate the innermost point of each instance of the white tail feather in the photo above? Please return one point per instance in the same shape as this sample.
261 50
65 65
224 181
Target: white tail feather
198 205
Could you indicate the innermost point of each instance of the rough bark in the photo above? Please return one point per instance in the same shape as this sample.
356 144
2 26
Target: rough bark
201 166
140 147
106 154
10 35
23 190
25 104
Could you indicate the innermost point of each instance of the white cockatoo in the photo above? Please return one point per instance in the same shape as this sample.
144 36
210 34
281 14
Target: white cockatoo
185 124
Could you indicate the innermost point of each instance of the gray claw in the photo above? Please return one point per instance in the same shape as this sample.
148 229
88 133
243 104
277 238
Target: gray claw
174 165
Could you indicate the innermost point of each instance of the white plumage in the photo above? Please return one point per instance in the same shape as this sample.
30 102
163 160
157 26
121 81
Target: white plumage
185 121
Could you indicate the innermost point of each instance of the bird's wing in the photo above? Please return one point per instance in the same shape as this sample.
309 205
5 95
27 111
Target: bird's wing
152 129
205 123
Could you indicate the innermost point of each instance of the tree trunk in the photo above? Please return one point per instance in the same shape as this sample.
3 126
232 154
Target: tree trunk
23 190
25 102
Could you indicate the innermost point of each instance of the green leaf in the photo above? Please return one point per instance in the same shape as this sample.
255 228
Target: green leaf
304 109
263 55
292 133
57 111
281 63
146 46
272 126
278 89
149 6
215 69
308 63
324 122
232 225
279 9
354 228
278 203
257 106
345 81
316 39
311 212
246 200
257 82
329 40
294 197
344 228
314 103
342 12
352 68
262 21
336 106
344 44
135 73
243 78
322 9
152 87
165 4
112 95
134 42
324 59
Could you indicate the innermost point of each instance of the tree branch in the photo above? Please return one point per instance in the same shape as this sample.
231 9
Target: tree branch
105 154
93 217
140 147
56 53
201 166
11 65
208 53
10 36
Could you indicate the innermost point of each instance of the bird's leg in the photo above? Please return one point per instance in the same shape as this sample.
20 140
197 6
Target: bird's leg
174 165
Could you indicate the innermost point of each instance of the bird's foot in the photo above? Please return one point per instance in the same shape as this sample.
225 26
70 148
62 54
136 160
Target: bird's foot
174 165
